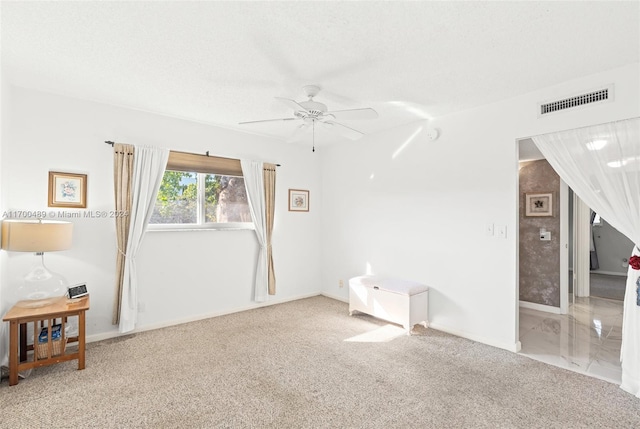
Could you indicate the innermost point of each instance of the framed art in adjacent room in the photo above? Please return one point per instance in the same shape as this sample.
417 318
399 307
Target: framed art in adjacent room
67 190
298 200
539 204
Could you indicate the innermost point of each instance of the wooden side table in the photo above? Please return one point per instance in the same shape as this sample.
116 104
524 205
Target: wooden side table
21 316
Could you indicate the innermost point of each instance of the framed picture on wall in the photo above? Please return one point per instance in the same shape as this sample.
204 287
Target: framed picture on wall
67 190
298 200
539 204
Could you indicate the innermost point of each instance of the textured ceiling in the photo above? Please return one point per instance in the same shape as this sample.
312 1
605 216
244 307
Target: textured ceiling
224 62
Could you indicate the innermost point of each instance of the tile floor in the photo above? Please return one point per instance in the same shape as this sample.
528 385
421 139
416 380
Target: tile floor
586 340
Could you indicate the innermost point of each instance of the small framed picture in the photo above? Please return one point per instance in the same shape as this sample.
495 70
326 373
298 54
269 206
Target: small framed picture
298 200
67 190
539 204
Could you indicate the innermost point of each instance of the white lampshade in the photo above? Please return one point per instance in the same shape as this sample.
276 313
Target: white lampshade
36 236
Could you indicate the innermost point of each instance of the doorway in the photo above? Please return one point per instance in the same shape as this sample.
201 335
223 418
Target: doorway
543 239
604 252
583 333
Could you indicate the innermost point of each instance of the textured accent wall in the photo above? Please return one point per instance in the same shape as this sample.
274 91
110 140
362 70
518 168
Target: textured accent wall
539 260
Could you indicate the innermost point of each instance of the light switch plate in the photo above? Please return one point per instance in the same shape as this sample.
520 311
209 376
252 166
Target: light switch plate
489 229
502 231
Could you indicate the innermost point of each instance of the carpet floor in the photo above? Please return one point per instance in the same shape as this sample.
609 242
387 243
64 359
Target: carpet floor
607 286
308 364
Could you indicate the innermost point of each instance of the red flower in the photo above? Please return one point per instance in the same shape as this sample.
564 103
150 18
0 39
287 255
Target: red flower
634 261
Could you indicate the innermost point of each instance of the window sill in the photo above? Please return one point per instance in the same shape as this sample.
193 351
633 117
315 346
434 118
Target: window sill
174 228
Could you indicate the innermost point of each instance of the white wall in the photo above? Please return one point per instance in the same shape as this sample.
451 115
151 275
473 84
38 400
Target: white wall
419 212
4 128
183 275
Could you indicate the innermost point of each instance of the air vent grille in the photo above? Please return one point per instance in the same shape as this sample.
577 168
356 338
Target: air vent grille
579 100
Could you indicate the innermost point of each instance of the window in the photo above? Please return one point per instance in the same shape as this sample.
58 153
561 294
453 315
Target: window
202 198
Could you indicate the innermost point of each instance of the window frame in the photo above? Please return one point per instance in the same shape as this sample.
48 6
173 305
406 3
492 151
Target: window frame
202 165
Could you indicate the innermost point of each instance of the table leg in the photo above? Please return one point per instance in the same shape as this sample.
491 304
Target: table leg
81 345
13 352
23 342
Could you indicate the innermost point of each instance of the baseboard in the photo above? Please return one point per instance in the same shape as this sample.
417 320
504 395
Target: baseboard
336 297
515 347
609 273
115 333
540 307
512 347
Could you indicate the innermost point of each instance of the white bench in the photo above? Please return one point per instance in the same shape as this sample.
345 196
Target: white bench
395 300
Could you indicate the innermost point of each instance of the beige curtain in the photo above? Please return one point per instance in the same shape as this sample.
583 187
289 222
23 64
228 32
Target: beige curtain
122 174
269 198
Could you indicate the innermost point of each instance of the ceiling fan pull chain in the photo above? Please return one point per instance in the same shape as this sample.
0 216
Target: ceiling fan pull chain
313 126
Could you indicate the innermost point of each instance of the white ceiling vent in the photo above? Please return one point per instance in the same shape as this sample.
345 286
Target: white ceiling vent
600 95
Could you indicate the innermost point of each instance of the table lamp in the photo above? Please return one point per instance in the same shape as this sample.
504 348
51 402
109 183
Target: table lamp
40 286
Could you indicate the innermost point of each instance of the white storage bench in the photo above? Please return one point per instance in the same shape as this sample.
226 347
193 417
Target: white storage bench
395 300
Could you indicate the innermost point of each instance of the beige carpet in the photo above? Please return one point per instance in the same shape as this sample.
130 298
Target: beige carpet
606 286
307 364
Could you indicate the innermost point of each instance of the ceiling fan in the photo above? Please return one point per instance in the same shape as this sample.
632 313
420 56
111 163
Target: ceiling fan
311 112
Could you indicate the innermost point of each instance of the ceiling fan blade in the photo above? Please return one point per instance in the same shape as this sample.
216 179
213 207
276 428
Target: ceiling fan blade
365 113
269 120
344 130
292 104
297 132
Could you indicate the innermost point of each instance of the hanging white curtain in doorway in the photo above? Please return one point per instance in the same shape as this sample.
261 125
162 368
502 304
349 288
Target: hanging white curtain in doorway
601 163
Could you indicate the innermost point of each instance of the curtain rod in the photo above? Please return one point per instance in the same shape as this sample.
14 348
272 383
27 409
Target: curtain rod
109 142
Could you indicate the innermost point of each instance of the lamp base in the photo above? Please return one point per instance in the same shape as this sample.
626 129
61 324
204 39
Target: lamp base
40 287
